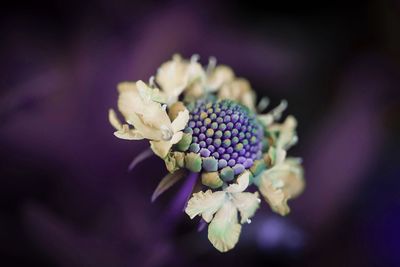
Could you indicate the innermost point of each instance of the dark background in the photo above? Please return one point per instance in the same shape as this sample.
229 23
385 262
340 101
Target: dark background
66 197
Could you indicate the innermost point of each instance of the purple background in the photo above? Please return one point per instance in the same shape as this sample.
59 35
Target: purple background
66 197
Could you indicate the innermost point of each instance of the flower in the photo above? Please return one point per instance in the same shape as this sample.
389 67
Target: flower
177 74
205 121
221 208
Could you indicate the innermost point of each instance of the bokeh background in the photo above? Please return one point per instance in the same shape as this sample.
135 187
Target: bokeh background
66 196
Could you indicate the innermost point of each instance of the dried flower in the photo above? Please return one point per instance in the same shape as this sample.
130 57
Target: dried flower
205 121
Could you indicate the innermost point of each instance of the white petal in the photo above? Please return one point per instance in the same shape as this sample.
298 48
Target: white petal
241 185
180 121
224 229
281 183
205 204
247 203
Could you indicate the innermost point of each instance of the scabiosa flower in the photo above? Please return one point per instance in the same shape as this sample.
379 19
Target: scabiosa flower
205 121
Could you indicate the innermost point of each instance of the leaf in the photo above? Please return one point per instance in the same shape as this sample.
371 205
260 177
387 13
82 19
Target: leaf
166 182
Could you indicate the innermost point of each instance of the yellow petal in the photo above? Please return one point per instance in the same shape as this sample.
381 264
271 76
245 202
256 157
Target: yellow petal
281 183
247 203
205 204
224 229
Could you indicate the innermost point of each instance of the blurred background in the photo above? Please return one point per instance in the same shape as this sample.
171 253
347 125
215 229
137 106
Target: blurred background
66 196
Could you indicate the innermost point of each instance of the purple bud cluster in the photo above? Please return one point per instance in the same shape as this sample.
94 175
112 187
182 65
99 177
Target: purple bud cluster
227 131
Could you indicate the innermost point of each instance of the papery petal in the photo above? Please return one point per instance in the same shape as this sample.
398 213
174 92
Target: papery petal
220 75
180 121
128 134
176 138
273 115
113 119
123 130
247 203
239 90
175 75
224 229
287 132
205 204
161 148
149 95
128 99
148 117
242 182
152 112
281 183
147 131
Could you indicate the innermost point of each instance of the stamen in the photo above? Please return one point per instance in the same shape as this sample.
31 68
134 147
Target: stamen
212 63
263 104
194 58
152 82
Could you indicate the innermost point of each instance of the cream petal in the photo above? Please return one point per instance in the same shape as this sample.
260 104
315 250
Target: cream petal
281 183
180 121
128 100
123 130
148 117
176 138
126 86
128 134
242 182
247 203
205 204
287 132
273 115
239 90
172 77
220 75
224 229
249 100
147 131
115 122
152 112
161 148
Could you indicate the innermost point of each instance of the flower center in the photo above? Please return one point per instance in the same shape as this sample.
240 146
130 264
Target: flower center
227 131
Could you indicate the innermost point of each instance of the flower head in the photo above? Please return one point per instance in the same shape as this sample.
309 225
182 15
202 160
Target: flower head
205 121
